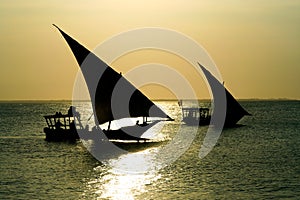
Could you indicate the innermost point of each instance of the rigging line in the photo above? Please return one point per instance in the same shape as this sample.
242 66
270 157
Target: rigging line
90 117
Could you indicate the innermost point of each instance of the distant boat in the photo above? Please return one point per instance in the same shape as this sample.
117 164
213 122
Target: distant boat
62 127
202 116
101 81
196 116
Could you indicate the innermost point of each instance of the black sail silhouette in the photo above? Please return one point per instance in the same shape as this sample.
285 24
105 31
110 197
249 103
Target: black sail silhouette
102 80
234 111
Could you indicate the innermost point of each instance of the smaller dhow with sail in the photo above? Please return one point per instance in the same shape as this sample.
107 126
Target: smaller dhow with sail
202 116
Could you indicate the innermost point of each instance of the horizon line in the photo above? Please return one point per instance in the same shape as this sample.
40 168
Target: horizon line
184 99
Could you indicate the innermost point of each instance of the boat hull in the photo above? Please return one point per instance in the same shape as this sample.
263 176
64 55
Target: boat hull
196 122
60 135
229 122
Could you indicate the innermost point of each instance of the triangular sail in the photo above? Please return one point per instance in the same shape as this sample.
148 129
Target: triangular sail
234 111
109 90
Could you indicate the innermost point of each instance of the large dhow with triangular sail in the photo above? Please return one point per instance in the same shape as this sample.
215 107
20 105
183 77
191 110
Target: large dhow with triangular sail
202 116
113 97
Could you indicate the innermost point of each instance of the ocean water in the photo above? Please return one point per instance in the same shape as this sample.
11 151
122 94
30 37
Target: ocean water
260 160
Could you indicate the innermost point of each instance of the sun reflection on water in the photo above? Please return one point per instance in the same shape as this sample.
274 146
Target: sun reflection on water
125 186
132 174
116 184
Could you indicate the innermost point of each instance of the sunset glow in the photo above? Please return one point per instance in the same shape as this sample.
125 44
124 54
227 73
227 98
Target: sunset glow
254 44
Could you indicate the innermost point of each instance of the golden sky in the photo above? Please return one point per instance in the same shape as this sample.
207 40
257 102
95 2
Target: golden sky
255 44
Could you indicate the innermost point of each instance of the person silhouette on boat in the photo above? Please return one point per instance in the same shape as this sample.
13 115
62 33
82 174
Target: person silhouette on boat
190 115
72 125
58 125
72 112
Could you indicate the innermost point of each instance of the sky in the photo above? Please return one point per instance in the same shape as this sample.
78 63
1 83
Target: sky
255 44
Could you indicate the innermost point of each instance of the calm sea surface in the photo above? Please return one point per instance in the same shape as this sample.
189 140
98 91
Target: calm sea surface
258 161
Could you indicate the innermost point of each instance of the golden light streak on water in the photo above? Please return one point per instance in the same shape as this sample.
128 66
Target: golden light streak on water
116 184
